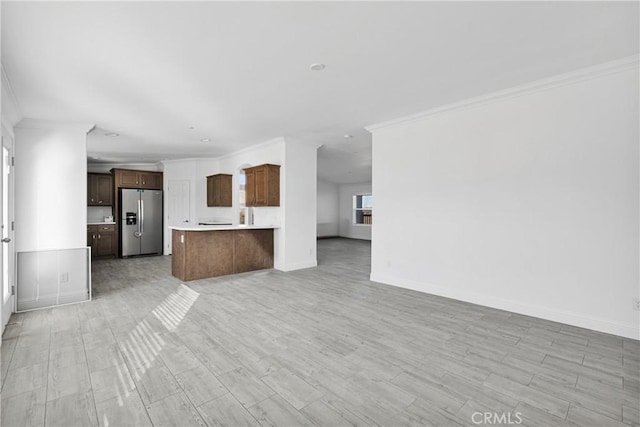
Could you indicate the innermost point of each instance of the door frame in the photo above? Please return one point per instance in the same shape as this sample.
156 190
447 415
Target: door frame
170 199
8 299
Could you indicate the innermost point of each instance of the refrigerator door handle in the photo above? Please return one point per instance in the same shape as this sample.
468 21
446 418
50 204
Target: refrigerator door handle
138 233
141 217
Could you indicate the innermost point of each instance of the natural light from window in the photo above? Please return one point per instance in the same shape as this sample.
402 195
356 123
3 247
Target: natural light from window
362 209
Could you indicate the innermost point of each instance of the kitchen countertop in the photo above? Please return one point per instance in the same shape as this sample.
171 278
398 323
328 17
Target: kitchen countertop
223 227
101 223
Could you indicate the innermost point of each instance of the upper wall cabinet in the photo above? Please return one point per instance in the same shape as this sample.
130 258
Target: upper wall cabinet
126 178
262 185
219 190
99 189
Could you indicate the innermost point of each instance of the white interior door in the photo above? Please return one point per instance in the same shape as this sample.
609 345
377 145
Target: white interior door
7 251
178 204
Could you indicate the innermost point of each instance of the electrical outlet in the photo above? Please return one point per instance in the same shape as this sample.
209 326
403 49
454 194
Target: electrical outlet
636 304
64 277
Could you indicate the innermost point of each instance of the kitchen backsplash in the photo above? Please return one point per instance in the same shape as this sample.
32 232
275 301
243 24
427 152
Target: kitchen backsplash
97 213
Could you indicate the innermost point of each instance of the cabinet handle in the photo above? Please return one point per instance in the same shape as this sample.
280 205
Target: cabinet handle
94 237
99 201
98 236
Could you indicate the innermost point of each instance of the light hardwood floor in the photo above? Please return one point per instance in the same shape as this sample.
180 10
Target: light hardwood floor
322 346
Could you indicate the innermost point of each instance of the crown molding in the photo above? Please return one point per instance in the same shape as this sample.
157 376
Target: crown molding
228 155
49 124
265 144
15 114
303 142
582 74
7 126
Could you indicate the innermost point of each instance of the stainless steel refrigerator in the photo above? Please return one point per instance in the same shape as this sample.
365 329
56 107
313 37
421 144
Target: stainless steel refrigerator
140 222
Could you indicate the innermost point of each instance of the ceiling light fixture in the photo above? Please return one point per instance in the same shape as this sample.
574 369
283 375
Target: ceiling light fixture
191 128
317 67
112 134
205 140
347 136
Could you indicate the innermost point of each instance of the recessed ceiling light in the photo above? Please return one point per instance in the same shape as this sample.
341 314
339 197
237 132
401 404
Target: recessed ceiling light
205 140
112 134
348 136
191 128
317 67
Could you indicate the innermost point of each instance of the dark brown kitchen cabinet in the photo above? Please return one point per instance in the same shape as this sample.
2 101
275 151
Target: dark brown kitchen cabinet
262 185
126 178
99 189
92 235
219 190
151 180
253 250
202 254
102 240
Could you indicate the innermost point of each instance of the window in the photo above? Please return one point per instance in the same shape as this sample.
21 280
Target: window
362 208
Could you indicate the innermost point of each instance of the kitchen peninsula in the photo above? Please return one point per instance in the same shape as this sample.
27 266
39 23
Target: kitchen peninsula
217 250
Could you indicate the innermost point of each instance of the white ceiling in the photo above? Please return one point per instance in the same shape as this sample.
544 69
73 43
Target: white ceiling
239 72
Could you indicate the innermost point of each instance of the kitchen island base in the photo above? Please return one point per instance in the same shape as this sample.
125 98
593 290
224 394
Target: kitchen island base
212 253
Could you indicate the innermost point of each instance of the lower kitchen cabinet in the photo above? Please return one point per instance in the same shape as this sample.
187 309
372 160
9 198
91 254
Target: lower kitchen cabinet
102 240
211 253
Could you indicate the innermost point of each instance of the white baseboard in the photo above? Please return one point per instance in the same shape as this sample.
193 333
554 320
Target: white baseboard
627 330
298 265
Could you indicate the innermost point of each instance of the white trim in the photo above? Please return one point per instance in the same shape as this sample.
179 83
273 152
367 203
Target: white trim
14 113
627 330
9 88
6 125
299 265
48 124
232 154
121 165
527 88
251 148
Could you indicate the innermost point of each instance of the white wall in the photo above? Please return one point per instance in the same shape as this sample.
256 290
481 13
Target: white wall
527 203
347 227
50 187
300 205
328 208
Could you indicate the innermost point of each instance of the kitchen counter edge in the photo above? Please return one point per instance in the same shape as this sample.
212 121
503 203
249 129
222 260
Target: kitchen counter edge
223 227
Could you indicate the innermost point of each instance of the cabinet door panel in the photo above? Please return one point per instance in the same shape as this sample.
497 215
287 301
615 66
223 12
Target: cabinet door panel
129 179
105 244
273 186
226 190
151 180
210 192
261 186
104 189
250 187
91 200
92 235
